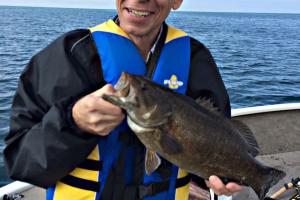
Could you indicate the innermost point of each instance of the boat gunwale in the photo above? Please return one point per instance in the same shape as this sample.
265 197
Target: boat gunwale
14 187
264 109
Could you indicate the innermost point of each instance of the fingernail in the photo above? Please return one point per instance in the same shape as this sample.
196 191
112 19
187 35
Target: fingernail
212 178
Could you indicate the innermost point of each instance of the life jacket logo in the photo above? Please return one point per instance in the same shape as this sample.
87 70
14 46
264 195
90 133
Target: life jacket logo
173 83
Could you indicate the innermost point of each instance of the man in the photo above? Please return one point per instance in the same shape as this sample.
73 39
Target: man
66 138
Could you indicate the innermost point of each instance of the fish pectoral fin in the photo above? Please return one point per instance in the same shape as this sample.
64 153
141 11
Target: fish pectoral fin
169 144
152 161
247 134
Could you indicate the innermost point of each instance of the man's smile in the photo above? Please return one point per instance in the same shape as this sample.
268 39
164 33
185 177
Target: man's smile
139 13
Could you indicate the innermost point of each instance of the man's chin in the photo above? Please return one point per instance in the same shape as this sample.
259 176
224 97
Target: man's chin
136 31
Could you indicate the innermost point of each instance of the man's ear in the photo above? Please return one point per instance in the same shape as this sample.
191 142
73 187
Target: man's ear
176 4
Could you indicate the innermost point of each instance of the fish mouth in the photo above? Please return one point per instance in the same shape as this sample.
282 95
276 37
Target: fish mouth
124 97
122 88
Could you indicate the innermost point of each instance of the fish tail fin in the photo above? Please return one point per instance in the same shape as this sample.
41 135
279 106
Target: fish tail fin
270 179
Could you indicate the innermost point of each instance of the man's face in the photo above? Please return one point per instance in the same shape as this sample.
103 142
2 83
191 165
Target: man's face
141 18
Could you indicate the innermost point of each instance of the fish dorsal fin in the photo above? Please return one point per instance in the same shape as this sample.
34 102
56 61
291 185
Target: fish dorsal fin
208 104
247 134
152 161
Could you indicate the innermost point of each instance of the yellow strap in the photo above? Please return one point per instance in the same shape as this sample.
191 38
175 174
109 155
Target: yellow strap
94 155
111 27
63 192
174 33
85 174
182 193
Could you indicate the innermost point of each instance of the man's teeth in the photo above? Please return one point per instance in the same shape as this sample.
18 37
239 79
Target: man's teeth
139 13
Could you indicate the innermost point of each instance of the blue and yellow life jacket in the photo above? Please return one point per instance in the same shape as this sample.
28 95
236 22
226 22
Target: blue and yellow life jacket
115 168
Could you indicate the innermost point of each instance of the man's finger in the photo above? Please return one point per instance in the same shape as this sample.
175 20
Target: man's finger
106 89
218 186
233 187
97 117
107 108
216 183
105 128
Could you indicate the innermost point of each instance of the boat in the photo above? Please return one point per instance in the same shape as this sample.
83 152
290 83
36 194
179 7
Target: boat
276 128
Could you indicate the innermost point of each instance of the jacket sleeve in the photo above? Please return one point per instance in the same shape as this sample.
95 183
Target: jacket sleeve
42 145
205 79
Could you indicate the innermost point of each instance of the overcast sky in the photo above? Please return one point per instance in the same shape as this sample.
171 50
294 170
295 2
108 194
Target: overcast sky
281 6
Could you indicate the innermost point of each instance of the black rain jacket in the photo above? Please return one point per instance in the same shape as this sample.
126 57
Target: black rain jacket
43 144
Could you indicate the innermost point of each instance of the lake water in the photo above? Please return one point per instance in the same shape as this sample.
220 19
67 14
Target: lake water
258 55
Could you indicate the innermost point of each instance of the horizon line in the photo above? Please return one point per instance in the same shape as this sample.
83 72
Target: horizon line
204 11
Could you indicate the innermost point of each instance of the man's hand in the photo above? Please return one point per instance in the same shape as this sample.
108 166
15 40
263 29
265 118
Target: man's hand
219 188
95 115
